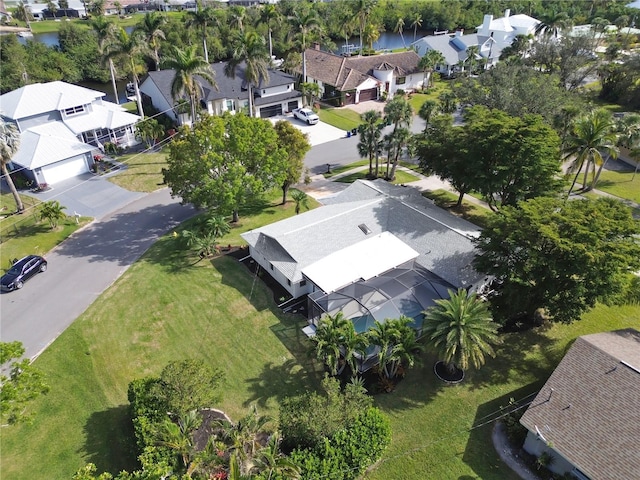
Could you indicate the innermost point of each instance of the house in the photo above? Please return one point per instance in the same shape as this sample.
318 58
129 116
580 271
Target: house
374 251
345 80
41 11
275 97
493 36
62 127
587 416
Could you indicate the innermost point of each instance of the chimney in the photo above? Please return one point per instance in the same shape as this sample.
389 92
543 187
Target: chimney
486 24
507 12
316 45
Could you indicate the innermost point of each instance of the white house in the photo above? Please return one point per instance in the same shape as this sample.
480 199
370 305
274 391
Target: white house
493 36
62 126
346 80
273 97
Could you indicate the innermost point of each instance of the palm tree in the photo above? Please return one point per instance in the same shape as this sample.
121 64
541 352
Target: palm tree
460 329
131 48
406 348
148 130
370 131
448 101
271 462
396 141
363 10
151 27
591 136
428 64
304 22
178 436
237 15
371 34
9 145
268 15
552 25
105 31
201 18
399 28
249 49
300 199
388 337
187 64
416 22
53 212
427 110
629 137
328 340
473 52
399 113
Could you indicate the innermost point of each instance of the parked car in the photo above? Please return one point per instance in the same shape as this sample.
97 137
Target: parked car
21 271
306 115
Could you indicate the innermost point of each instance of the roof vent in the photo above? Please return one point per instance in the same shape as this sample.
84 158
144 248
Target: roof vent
366 230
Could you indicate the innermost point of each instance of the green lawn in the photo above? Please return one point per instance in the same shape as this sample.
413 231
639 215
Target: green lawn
469 211
49 26
143 173
343 168
342 118
26 234
401 177
620 184
417 99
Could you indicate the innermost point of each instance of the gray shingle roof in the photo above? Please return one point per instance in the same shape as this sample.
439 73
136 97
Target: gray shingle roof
592 416
346 73
442 240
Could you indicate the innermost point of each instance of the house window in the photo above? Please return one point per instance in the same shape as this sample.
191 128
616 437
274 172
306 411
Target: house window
271 266
303 283
231 106
74 110
288 282
401 80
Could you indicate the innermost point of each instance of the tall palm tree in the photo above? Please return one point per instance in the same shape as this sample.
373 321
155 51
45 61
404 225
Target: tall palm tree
363 10
399 113
105 31
131 48
399 28
552 25
370 131
460 329
473 52
187 64
9 145
201 19
328 340
237 16
304 21
396 141
428 64
151 27
416 21
427 110
371 34
249 49
268 15
592 135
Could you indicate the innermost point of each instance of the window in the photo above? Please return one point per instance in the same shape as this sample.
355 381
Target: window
303 283
271 266
231 106
401 80
74 110
288 282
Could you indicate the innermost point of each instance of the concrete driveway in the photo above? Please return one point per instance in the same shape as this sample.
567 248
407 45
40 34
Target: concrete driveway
89 196
318 134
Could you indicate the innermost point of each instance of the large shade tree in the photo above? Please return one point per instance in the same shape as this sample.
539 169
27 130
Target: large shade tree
460 330
187 64
561 257
9 145
296 145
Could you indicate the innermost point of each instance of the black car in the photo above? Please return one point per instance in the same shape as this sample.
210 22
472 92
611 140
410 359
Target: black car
21 271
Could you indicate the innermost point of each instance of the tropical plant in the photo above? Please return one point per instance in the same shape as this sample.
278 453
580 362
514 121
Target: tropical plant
237 15
178 435
53 212
269 14
130 48
399 28
629 137
105 30
201 18
304 22
448 102
270 462
9 145
473 52
399 113
460 329
428 64
427 111
249 50
395 141
416 22
310 92
363 10
370 131
393 337
329 338
553 24
151 27
148 130
187 64
592 136
23 13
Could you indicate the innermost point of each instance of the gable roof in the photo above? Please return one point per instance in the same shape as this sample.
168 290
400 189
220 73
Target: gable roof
231 88
45 97
589 409
443 241
347 73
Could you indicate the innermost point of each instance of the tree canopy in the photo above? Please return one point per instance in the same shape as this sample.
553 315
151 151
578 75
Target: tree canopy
224 162
296 145
559 256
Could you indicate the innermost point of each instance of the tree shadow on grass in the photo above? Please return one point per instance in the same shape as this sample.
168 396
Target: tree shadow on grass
479 453
110 441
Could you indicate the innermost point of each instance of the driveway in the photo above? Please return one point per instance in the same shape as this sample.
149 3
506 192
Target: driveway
89 196
318 134
82 267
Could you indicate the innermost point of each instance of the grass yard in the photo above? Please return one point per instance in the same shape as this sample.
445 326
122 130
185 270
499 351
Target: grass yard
343 168
417 99
620 184
342 118
143 172
469 211
26 234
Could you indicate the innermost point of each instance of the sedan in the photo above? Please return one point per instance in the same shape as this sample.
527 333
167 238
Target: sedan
21 271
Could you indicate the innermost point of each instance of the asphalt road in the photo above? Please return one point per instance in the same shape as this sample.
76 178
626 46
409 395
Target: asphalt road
82 267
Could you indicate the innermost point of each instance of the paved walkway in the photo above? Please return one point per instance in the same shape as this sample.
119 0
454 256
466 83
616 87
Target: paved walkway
509 455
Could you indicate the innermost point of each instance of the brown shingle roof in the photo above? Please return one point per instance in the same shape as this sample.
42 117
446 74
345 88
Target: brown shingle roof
346 73
589 409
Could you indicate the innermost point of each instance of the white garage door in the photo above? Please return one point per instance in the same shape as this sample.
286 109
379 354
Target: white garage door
66 169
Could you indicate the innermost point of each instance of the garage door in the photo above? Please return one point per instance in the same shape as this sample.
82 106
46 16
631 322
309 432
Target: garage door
65 169
272 111
370 94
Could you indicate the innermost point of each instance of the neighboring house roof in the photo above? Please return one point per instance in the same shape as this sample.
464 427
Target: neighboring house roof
443 241
589 409
523 21
347 73
231 88
47 144
45 97
454 48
